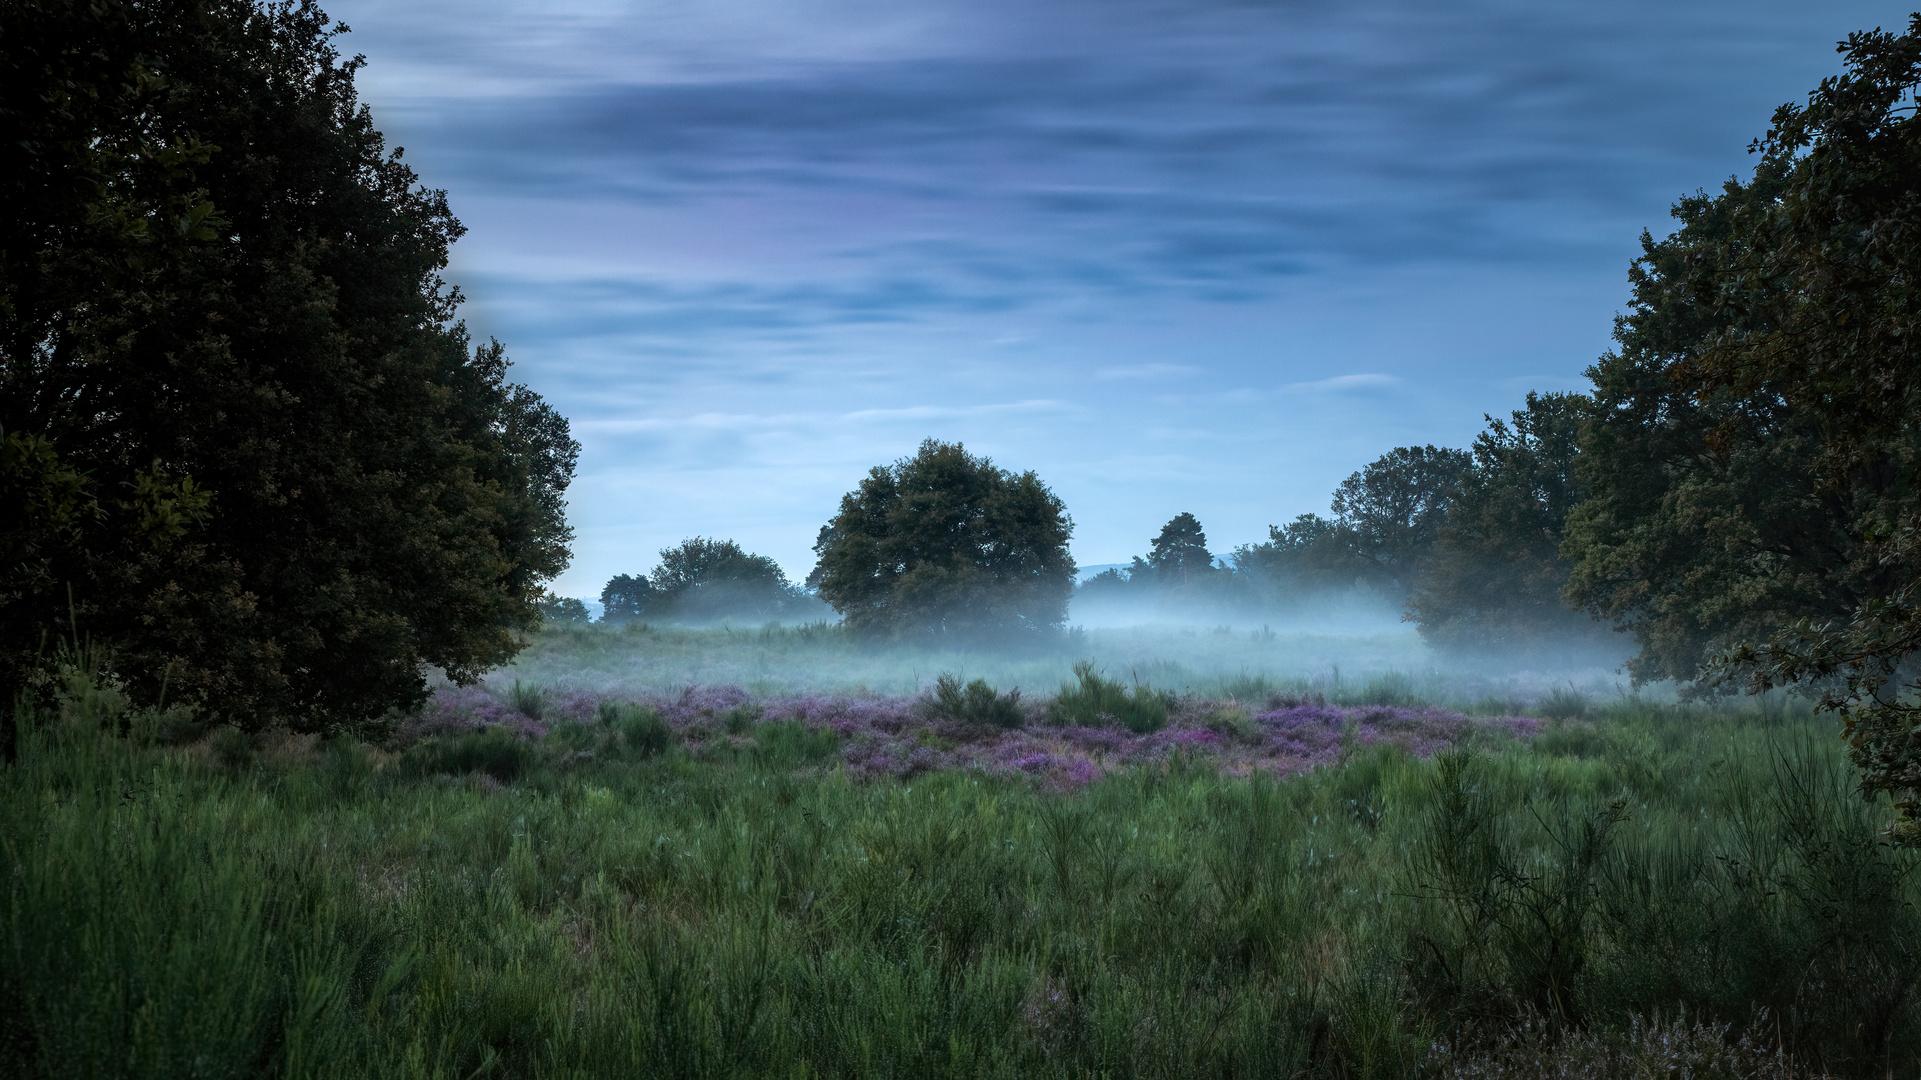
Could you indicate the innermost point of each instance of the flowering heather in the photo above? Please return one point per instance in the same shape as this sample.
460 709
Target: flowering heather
894 736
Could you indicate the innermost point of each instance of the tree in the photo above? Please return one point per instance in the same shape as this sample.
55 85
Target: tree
1392 511
563 610
712 579
626 597
1748 444
221 310
1802 368
1310 554
1179 555
1493 581
943 543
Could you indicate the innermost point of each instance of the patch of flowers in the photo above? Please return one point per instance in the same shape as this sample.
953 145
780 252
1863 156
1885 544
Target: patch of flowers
900 737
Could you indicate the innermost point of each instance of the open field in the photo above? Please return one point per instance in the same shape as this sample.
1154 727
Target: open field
729 892
643 659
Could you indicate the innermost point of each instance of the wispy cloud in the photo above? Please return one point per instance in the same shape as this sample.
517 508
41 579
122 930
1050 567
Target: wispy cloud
754 246
1344 384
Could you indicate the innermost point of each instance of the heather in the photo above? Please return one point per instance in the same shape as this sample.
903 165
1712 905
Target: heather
529 880
903 737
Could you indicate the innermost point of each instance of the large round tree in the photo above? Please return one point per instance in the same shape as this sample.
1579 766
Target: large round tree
247 445
943 543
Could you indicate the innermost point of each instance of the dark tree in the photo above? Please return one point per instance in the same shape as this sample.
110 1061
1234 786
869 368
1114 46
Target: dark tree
1307 555
1179 555
241 423
1752 454
712 579
626 597
564 611
1391 513
1493 581
944 543
1772 366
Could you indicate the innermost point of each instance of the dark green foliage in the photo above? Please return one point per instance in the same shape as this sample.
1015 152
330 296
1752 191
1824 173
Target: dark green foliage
1178 577
741 719
1505 925
527 699
1394 510
1754 458
1387 519
1811 362
944 544
1307 555
1492 584
240 421
564 610
625 598
643 732
702 580
1179 556
975 703
1096 701
496 752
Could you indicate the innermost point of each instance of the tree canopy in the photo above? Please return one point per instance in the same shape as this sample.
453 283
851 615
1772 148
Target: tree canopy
703 579
248 445
1179 555
944 543
1493 581
1772 365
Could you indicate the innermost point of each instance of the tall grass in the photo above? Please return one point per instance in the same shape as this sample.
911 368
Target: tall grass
605 903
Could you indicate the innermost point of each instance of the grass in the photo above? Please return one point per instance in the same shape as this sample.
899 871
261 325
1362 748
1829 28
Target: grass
635 894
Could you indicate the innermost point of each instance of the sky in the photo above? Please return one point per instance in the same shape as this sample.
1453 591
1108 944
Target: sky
1208 256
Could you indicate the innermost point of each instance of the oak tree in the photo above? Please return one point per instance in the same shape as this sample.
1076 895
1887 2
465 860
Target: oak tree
945 544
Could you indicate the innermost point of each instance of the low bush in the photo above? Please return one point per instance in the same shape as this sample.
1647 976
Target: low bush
1095 701
495 751
974 703
643 731
528 699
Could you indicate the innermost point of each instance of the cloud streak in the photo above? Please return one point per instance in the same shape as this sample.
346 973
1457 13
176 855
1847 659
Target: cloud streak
754 248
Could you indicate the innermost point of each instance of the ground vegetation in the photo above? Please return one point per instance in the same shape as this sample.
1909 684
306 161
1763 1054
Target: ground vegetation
714 885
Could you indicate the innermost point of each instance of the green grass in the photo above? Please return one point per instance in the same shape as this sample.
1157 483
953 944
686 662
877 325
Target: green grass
474 906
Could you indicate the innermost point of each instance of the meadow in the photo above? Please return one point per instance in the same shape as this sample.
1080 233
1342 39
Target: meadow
1254 875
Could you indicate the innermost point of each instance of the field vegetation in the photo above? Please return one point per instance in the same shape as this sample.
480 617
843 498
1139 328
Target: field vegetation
718 883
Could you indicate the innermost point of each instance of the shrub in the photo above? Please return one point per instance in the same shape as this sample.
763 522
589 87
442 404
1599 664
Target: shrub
232 748
1563 703
1098 702
528 699
495 752
974 703
643 731
741 719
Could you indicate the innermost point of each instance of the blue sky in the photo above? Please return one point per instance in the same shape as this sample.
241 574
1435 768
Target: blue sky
1208 256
